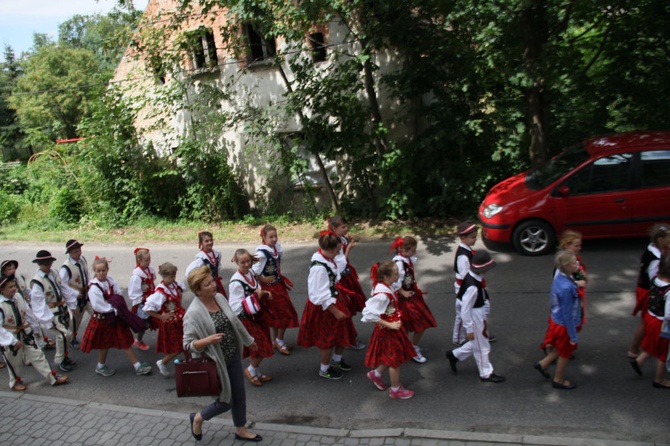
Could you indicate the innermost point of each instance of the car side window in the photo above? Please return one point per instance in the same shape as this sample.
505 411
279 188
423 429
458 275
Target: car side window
607 174
655 168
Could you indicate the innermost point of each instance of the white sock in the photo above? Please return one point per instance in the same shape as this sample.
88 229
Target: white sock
337 358
324 367
101 365
280 341
377 374
395 389
136 365
253 370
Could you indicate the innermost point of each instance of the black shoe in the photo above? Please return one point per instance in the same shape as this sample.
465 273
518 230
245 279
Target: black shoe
64 366
562 386
493 379
341 365
452 360
542 371
69 361
256 439
636 366
660 386
197 437
331 373
492 339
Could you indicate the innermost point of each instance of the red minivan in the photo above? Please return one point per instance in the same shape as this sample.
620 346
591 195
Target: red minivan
610 186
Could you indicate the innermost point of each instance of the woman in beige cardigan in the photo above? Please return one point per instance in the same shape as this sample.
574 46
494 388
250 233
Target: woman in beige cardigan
211 328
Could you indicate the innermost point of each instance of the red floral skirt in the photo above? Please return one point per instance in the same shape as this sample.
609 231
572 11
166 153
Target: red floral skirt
641 301
388 347
280 310
653 343
356 294
260 331
170 337
557 336
320 329
416 316
100 335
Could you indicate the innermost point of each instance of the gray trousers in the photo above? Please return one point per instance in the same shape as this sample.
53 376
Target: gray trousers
238 401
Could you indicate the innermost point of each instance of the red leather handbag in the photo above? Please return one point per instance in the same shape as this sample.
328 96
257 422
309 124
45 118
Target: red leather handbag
197 377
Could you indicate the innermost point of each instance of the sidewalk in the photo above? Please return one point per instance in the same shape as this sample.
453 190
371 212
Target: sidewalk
41 420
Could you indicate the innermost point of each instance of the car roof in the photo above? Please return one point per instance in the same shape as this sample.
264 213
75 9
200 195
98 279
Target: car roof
615 141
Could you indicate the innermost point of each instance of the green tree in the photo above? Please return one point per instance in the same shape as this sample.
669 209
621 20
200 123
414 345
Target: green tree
11 136
56 90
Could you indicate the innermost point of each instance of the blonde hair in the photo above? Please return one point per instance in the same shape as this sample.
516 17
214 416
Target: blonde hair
568 237
563 259
240 252
141 254
99 261
167 269
197 276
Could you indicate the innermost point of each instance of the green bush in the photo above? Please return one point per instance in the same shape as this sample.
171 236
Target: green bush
66 206
9 207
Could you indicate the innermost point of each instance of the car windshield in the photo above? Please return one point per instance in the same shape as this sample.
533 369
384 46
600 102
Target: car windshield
545 174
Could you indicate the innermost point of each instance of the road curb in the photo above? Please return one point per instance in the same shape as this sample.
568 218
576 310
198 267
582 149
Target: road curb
479 437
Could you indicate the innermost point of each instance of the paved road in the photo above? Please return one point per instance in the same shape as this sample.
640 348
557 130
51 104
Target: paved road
611 403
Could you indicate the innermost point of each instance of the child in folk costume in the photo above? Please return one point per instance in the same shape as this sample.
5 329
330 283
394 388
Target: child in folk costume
326 320
9 268
389 345
210 256
17 342
467 233
651 257
248 301
417 317
142 285
51 302
165 306
473 313
348 275
104 330
653 344
281 314
74 272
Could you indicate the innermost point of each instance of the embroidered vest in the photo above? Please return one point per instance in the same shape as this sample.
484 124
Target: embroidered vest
408 282
331 278
461 251
657 299
643 279
392 313
22 288
75 273
272 266
11 323
172 302
50 286
214 268
482 295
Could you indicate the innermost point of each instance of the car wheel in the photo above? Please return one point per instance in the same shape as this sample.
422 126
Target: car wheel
533 238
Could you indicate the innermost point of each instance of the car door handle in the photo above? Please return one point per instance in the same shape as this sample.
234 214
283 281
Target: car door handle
620 200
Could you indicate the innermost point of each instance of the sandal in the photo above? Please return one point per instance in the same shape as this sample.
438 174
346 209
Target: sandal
543 372
252 379
19 387
264 378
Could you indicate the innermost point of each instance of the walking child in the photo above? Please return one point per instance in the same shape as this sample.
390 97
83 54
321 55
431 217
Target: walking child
17 342
653 344
51 302
74 272
142 285
326 320
210 256
572 241
651 257
105 330
389 345
165 306
249 302
417 317
348 275
281 314
473 313
467 233
10 268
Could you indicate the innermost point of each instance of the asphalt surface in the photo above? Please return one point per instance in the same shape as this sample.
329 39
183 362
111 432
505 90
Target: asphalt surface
610 404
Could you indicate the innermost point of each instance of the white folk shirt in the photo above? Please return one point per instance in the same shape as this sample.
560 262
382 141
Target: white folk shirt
7 338
201 259
318 282
155 301
401 261
135 292
236 292
377 304
259 266
38 299
97 298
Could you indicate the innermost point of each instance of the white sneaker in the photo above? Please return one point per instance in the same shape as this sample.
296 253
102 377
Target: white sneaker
162 368
419 357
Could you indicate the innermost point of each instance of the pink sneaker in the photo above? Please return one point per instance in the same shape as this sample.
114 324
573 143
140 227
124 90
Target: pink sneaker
376 380
141 345
401 393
